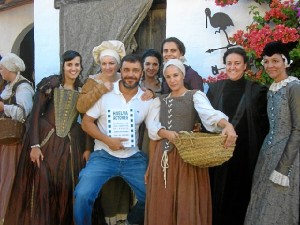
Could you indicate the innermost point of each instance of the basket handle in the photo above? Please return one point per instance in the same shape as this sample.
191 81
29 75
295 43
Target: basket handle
189 134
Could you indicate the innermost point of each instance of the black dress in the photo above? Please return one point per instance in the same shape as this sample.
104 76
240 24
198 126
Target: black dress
231 182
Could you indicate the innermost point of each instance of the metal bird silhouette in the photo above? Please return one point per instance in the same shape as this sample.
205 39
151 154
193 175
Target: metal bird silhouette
219 20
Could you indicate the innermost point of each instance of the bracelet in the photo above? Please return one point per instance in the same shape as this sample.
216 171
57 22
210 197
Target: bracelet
35 146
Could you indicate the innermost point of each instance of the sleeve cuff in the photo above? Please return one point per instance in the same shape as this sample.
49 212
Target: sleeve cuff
280 179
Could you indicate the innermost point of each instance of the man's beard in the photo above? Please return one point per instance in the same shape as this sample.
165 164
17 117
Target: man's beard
130 86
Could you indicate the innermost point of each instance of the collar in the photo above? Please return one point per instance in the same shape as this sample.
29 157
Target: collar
117 91
276 86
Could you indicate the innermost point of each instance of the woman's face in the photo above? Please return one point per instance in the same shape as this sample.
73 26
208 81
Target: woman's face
174 77
151 66
275 67
235 66
72 69
109 66
6 74
171 51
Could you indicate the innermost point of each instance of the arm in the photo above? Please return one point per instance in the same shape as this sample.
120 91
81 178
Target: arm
41 99
89 126
282 171
24 94
152 120
214 120
229 131
193 79
90 93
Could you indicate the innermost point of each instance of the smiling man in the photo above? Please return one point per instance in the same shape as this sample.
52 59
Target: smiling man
115 151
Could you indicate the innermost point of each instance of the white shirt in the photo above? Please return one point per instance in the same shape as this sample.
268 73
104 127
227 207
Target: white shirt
24 95
209 116
147 111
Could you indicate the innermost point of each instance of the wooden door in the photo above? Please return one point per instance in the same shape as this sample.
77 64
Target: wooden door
152 30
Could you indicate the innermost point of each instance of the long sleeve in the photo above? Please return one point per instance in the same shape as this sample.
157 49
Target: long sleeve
292 147
193 80
41 100
24 95
152 120
208 115
90 93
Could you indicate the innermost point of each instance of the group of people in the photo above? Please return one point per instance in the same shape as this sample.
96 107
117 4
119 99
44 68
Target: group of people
71 169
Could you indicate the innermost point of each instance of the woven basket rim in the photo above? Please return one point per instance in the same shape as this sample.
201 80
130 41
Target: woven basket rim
203 149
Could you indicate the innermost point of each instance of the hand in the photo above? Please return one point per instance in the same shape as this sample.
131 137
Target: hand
147 95
36 155
86 155
231 135
116 144
108 85
146 176
1 106
171 135
197 127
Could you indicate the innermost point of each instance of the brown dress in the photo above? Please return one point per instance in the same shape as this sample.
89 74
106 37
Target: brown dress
44 196
186 198
9 154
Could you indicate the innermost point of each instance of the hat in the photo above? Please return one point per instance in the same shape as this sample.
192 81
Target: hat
175 62
112 48
12 63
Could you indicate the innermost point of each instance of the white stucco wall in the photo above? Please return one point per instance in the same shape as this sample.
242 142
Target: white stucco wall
12 23
186 20
46 36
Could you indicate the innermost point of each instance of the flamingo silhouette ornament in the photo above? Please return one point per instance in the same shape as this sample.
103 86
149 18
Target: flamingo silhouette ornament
219 20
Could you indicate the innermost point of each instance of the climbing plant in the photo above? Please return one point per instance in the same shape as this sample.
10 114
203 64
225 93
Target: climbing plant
279 23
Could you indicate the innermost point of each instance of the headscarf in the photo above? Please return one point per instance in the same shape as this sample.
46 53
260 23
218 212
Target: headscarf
112 48
175 62
13 63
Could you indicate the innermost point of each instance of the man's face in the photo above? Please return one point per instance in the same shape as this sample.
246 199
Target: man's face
131 73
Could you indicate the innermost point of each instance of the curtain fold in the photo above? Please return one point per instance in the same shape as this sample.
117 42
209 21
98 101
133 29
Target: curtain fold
85 24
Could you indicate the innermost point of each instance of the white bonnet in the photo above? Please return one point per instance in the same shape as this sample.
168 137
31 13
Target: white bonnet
13 63
112 48
176 62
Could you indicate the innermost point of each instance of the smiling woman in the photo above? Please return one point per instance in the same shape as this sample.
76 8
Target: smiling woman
53 152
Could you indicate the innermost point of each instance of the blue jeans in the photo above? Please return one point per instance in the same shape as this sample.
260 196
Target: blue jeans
99 169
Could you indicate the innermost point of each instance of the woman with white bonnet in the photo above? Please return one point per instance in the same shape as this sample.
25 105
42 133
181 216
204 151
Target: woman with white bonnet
177 192
16 96
108 55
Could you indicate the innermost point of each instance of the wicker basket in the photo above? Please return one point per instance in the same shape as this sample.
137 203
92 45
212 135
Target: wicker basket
203 149
11 131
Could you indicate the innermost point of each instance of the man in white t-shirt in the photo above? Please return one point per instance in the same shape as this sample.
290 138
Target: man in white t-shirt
119 114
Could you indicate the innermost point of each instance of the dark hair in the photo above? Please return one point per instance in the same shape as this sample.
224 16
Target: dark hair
154 53
68 56
132 58
179 44
276 47
237 50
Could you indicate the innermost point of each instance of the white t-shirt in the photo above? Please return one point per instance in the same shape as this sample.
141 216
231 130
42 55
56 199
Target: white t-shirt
147 111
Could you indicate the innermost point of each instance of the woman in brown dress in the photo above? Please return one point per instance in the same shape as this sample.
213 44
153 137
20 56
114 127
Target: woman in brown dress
16 95
177 192
53 152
